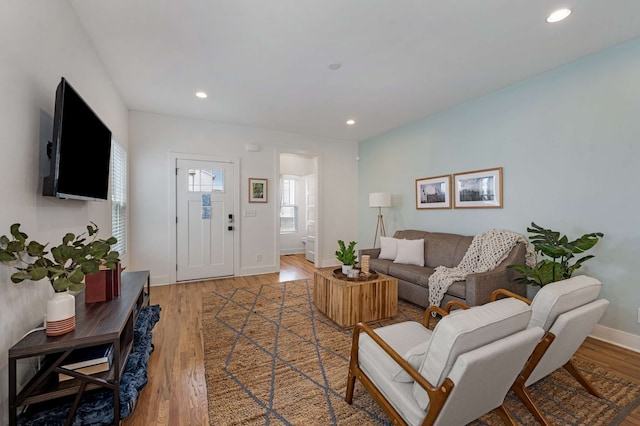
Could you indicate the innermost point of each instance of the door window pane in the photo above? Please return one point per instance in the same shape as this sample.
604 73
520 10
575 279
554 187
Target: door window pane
200 180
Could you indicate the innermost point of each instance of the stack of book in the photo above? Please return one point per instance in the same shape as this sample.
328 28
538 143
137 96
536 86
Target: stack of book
92 360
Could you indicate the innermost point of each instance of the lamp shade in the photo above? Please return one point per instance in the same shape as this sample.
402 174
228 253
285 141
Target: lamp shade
379 199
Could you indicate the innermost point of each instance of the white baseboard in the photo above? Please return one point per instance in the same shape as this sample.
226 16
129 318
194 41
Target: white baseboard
292 251
258 270
155 284
160 280
616 337
328 263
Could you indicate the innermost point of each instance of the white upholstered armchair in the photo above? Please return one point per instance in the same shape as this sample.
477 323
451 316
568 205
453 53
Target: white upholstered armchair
567 311
451 375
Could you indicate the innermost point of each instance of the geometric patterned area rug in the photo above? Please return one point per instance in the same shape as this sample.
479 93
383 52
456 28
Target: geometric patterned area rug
271 358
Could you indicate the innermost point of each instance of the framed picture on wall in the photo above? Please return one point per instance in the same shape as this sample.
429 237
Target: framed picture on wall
433 192
258 191
478 189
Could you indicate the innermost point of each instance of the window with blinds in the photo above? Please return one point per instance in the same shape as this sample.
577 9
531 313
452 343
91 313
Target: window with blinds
119 197
288 207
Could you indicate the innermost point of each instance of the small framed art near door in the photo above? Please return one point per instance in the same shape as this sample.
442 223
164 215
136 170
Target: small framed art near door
258 190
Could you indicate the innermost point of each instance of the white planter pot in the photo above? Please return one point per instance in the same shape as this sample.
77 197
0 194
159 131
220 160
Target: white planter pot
346 269
61 314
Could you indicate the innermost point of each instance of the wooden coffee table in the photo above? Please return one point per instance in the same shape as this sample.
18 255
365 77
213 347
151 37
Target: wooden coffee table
348 301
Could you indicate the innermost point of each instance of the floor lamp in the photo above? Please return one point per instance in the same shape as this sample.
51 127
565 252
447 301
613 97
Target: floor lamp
379 200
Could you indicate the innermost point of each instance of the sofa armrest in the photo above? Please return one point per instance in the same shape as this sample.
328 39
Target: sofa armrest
480 286
373 252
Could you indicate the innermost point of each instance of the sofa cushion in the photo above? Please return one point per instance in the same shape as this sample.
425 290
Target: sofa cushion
419 275
380 265
410 234
410 273
446 249
410 252
388 248
465 331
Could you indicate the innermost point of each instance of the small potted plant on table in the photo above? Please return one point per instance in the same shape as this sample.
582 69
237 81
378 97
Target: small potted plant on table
65 265
346 255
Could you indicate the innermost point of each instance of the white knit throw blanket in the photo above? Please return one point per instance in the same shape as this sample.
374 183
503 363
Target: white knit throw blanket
486 252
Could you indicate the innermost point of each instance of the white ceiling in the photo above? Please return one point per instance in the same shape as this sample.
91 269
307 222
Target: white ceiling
265 63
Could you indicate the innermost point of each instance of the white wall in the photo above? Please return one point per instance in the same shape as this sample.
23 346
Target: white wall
40 41
568 142
297 165
154 137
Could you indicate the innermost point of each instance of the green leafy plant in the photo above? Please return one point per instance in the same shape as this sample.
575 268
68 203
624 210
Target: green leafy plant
557 252
346 255
64 265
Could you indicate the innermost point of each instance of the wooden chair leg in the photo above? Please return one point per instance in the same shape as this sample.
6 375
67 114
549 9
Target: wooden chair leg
351 381
571 368
522 393
506 416
353 363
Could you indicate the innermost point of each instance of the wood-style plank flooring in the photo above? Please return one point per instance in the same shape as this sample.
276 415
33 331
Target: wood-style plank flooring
177 393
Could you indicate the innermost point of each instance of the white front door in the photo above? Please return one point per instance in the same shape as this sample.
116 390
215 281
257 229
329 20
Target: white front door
205 219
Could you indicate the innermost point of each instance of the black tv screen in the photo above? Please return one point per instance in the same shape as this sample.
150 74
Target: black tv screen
80 149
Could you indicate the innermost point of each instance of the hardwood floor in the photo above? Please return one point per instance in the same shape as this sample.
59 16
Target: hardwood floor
177 393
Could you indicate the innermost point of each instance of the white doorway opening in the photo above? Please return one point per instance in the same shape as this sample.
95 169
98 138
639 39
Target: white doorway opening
298 205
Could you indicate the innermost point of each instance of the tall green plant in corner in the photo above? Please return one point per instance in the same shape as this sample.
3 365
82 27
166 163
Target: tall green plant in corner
65 265
557 255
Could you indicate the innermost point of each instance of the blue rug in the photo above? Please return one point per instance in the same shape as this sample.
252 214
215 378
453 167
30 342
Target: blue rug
96 407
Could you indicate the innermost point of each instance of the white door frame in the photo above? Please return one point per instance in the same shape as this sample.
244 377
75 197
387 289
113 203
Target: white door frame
283 150
172 208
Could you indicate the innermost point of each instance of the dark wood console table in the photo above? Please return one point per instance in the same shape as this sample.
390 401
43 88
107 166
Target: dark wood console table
96 324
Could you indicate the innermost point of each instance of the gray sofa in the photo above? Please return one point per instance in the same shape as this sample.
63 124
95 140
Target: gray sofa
441 249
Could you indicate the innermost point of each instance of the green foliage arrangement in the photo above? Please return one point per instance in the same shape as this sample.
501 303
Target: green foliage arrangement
346 255
64 265
557 252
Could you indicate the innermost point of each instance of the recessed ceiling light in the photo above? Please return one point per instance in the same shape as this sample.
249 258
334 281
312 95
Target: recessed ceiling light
558 15
201 95
351 122
334 66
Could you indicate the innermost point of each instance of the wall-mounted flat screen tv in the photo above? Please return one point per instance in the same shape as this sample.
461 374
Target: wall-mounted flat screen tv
80 150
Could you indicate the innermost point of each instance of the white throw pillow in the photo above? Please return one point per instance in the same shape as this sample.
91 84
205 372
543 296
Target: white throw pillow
410 252
388 248
414 357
